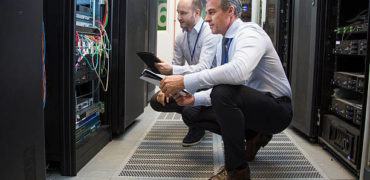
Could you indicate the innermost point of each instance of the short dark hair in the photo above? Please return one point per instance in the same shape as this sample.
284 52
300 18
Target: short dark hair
225 4
197 4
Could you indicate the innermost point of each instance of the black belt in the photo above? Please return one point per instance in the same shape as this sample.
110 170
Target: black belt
284 99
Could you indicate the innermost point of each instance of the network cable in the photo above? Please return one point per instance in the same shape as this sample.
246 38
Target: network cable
98 48
43 64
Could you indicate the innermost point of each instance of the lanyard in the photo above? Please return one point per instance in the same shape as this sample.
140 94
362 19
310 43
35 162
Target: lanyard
196 41
227 52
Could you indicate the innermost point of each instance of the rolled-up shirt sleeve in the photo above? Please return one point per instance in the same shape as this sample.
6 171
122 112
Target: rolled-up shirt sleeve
248 49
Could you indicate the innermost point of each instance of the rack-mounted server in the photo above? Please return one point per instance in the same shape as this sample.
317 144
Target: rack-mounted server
342 137
350 111
351 81
351 47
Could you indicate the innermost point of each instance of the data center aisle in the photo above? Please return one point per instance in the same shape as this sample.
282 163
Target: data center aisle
119 159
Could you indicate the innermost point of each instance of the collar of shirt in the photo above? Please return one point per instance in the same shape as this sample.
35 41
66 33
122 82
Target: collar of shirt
197 26
231 32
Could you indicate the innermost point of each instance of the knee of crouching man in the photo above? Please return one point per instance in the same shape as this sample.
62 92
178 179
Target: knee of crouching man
220 92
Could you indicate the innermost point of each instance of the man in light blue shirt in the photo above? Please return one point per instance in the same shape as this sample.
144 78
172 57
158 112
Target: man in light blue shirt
251 96
196 46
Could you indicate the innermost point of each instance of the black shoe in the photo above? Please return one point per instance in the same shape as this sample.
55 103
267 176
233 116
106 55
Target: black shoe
193 137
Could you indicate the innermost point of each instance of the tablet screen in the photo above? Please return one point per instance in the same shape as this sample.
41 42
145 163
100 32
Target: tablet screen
149 59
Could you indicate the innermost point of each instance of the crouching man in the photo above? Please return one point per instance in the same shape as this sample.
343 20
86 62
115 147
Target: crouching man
251 96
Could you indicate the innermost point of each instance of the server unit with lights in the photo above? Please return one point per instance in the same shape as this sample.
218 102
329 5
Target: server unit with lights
344 73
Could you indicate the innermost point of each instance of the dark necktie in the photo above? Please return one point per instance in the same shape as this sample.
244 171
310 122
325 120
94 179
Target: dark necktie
225 42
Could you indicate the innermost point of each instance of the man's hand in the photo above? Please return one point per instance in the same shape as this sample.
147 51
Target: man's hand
171 85
164 67
184 100
161 98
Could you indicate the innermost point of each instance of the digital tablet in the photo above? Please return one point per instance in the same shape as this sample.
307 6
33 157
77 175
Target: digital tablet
149 59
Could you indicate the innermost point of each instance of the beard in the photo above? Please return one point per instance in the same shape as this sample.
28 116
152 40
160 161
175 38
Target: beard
188 24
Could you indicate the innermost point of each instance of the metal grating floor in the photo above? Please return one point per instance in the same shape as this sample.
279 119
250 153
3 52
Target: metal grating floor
160 155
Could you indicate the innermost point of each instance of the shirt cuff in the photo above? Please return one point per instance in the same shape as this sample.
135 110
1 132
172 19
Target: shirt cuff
191 82
202 98
176 69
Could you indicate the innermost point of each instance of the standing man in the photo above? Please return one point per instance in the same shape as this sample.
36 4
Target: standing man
196 46
251 94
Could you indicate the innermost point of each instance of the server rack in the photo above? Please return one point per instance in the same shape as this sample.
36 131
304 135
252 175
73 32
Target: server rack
365 160
22 151
75 127
246 14
284 33
305 66
345 69
152 40
271 22
133 29
81 116
278 27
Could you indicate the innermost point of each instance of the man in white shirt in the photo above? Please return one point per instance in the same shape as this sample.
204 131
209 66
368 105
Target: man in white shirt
250 98
196 46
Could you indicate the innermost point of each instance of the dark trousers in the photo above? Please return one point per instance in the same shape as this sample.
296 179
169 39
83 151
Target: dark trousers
173 107
238 113
170 107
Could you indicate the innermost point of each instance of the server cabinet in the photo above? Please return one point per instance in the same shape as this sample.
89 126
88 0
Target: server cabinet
305 66
76 124
21 94
344 82
365 159
246 13
284 34
133 30
152 40
93 72
278 27
271 22
136 40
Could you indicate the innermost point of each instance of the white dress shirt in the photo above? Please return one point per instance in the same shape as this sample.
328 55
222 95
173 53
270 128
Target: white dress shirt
252 61
205 50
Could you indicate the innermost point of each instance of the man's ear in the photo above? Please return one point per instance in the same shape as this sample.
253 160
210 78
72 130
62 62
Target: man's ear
231 10
197 11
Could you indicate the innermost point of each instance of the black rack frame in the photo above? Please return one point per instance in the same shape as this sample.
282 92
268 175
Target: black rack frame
329 22
22 126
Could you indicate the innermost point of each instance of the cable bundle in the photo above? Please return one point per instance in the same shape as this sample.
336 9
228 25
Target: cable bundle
98 48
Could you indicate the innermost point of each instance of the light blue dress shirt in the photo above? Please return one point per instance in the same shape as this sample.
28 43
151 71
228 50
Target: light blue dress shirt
205 50
253 62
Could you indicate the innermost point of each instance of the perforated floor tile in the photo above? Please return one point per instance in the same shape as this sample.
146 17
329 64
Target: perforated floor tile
160 155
